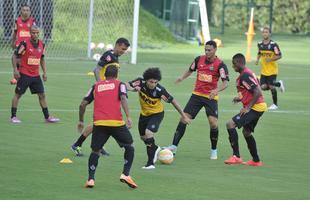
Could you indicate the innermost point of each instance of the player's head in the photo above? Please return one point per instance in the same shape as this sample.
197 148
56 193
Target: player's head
111 72
121 46
25 11
238 62
35 32
266 32
152 76
210 49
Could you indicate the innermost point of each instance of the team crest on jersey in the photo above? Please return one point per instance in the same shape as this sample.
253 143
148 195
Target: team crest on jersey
28 25
154 93
211 68
39 50
269 46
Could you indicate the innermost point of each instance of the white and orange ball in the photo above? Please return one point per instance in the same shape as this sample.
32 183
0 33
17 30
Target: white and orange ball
165 156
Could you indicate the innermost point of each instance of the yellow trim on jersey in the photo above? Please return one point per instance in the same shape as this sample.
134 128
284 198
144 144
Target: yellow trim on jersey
150 105
260 107
109 123
268 68
216 98
102 70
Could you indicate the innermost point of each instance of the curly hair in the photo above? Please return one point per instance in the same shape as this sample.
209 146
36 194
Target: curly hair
152 73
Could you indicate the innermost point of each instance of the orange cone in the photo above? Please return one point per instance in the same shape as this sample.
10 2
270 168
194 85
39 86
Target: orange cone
249 37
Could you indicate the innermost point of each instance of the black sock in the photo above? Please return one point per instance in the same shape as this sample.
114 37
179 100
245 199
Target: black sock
45 112
274 96
252 147
233 139
179 133
277 84
214 134
92 165
80 141
13 112
128 156
150 150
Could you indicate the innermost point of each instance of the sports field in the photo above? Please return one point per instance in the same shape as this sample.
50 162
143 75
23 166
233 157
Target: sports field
30 152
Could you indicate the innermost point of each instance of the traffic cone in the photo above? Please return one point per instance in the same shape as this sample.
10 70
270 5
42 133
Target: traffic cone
249 37
66 161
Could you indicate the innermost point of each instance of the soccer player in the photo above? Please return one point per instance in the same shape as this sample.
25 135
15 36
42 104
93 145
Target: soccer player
250 95
22 28
31 55
109 96
152 110
209 70
110 57
268 54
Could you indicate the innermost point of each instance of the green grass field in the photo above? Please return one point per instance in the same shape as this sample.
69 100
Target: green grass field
30 152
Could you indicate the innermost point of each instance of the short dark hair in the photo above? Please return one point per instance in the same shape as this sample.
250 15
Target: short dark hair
267 28
212 43
25 4
34 26
111 71
122 41
152 73
239 58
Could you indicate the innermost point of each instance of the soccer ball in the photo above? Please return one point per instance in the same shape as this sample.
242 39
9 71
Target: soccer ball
109 47
165 156
100 45
92 45
96 56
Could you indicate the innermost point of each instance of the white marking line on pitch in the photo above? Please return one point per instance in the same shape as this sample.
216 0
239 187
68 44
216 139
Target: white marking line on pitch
304 112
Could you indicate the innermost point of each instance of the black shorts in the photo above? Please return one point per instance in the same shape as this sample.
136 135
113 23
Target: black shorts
196 102
248 121
34 83
151 122
101 134
268 80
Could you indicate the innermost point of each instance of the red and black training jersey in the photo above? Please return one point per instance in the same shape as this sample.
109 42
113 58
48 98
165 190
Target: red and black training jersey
246 82
208 74
150 100
22 29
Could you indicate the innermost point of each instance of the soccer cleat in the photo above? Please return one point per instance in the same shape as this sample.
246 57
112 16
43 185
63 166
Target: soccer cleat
103 152
282 88
148 167
172 148
213 154
273 107
15 120
51 119
90 183
128 180
155 158
252 163
233 160
77 150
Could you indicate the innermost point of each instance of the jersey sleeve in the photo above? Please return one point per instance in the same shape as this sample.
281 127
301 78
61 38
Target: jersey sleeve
276 50
123 90
194 64
89 97
258 47
223 71
249 82
164 95
136 82
106 58
20 49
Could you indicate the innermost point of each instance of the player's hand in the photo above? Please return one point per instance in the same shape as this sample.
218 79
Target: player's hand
244 111
80 127
129 122
44 77
236 100
185 119
16 74
137 88
179 80
213 93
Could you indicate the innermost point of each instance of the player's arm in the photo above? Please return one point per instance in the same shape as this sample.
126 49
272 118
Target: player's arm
277 54
14 35
184 118
189 71
258 55
134 85
16 56
124 103
97 72
89 97
223 71
43 65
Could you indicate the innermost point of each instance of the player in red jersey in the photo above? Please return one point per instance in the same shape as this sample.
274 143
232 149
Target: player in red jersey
250 95
109 96
209 70
30 55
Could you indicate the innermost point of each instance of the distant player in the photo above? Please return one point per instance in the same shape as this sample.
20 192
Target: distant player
209 70
152 110
30 53
268 53
109 96
250 95
110 57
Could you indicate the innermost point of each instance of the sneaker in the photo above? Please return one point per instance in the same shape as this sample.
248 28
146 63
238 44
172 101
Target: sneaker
273 107
51 119
103 152
128 180
282 88
15 120
213 154
148 167
233 160
172 148
77 150
90 183
252 163
156 154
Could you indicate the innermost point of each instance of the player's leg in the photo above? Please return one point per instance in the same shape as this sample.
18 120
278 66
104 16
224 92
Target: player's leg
271 84
211 108
263 82
21 87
